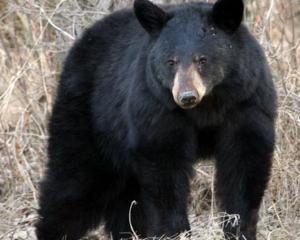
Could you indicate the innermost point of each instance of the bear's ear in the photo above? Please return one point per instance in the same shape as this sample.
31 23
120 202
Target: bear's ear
228 14
151 17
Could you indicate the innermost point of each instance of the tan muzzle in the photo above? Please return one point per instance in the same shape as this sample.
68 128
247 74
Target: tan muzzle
188 88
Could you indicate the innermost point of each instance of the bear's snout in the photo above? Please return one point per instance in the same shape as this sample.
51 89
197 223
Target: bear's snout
188 98
188 87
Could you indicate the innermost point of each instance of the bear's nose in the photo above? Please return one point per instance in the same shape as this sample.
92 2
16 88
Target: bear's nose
188 98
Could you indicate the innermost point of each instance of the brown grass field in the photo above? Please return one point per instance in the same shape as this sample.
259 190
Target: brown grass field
34 38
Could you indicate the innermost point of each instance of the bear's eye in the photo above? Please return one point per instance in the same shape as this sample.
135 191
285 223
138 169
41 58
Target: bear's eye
172 62
201 60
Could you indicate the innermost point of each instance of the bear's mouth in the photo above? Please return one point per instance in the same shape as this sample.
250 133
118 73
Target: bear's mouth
186 107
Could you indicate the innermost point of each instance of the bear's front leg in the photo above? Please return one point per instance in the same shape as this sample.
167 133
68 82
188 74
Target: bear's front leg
243 161
165 188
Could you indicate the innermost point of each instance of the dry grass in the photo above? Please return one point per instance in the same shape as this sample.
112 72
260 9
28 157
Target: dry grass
34 37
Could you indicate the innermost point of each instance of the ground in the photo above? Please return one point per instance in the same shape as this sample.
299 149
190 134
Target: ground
34 38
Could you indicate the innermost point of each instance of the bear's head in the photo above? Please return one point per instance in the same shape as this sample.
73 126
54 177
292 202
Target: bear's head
192 46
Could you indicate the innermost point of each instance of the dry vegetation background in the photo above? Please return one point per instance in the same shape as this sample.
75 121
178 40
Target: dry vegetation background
34 38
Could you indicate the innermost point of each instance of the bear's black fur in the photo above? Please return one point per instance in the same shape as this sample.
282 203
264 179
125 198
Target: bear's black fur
144 94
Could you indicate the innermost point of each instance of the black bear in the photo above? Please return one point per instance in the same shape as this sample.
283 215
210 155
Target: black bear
143 94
